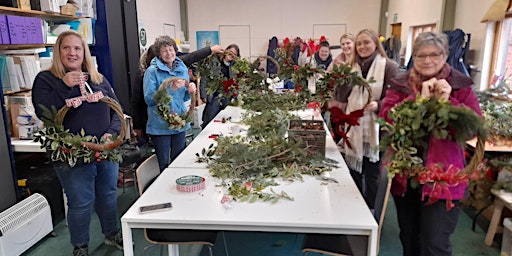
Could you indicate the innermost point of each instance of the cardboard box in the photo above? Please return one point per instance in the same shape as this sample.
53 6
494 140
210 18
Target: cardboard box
68 9
20 105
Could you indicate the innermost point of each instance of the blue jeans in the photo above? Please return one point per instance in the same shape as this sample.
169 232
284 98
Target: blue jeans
87 187
168 147
213 106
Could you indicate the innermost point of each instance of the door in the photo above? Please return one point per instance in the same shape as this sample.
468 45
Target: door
396 30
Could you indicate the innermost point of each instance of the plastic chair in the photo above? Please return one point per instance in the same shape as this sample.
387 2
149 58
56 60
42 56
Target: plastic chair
146 173
351 244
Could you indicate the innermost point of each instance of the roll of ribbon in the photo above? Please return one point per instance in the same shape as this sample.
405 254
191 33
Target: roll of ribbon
190 183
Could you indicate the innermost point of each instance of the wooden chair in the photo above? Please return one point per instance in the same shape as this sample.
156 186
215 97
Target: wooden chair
146 173
342 245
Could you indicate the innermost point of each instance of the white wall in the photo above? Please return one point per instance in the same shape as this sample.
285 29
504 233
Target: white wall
413 13
283 18
467 17
153 14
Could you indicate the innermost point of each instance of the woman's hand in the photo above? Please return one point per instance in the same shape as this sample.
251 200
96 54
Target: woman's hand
427 88
192 88
106 137
442 89
178 84
334 104
372 106
216 49
73 78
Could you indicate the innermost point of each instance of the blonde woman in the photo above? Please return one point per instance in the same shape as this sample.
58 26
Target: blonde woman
87 186
363 157
347 48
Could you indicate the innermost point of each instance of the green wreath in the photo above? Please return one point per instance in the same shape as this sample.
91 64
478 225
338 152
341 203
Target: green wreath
71 149
163 99
413 122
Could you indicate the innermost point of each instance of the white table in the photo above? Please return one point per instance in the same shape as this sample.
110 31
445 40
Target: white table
26 146
319 207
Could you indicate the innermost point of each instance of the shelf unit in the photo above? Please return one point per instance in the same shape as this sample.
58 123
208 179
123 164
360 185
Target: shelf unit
8 181
49 16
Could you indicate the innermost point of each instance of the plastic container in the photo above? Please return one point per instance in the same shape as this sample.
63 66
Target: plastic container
506 248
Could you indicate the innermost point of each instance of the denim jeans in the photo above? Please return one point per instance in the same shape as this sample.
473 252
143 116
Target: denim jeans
168 147
213 106
87 187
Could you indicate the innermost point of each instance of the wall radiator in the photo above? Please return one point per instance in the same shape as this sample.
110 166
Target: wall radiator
24 224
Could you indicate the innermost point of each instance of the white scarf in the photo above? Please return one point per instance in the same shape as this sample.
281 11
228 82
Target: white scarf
364 138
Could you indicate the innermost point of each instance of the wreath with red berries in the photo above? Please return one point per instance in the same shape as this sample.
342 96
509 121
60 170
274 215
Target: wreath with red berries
71 149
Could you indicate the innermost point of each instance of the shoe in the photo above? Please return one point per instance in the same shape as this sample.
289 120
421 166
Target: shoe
115 240
81 251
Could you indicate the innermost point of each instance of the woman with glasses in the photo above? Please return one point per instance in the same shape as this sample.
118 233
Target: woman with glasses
362 156
426 229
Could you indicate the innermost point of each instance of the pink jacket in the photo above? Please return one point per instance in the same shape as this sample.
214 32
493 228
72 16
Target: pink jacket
445 152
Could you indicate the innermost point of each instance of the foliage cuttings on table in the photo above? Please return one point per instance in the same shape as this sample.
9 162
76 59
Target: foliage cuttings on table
249 165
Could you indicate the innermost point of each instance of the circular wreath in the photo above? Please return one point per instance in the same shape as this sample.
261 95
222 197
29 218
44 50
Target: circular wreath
72 149
413 122
342 75
163 99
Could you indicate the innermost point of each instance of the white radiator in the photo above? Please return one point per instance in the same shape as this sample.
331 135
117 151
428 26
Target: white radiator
24 224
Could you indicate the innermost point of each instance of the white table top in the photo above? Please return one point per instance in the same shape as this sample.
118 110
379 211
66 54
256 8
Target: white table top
318 207
26 146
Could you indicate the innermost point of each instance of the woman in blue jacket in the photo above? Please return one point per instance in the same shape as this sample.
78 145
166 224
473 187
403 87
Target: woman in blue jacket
168 142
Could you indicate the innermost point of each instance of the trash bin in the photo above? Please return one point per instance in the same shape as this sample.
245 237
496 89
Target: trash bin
42 179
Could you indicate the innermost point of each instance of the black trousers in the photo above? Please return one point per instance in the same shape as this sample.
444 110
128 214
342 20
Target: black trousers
367 181
425 230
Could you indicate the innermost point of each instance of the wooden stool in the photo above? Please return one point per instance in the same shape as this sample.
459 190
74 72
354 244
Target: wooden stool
502 199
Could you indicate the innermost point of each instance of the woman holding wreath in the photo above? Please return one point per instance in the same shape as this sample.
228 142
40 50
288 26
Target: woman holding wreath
92 185
169 142
362 156
426 229
215 102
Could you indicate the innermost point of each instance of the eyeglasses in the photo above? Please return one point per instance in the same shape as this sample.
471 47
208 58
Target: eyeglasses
433 56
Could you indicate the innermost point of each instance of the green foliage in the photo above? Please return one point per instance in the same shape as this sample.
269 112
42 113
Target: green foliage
498 115
210 69
268 123
413 122
268 101
64 146
261 159
341 75
163 108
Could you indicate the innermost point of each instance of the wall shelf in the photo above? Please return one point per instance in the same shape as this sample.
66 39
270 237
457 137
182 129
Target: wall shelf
39 14
23 46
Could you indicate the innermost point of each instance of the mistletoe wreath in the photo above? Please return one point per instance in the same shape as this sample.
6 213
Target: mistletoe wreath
63 146
413 122
163 100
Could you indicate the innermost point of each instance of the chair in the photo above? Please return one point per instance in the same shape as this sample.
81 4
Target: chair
354 245
146 173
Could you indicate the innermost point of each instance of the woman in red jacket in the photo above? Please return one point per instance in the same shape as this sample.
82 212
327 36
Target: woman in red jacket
425 229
